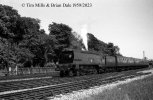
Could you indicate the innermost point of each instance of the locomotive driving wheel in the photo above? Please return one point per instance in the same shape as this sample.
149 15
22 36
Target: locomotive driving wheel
71 73
77 73
95 71
62 73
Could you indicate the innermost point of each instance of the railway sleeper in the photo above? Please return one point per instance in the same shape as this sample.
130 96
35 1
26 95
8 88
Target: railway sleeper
79 87
46 93
32 94
66 87
70 88
7 96
56 92
9 88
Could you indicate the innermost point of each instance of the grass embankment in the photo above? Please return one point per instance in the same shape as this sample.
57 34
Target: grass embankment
136 90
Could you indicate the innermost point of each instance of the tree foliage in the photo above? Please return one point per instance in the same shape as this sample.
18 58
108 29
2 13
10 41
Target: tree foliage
9 51
36 40
64 37
8 22
97 45
22 40
62 34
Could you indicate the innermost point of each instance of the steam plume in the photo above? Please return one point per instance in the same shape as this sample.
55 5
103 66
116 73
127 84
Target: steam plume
84 35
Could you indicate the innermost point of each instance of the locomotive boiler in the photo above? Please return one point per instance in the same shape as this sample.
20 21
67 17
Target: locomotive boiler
75 63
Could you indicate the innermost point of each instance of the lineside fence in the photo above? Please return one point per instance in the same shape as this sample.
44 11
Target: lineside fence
28 71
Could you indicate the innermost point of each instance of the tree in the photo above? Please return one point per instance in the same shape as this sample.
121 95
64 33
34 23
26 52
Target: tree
47 46
65 38
117 51
8 20
36 40
113 50
21 38
11 53
62 34
96 45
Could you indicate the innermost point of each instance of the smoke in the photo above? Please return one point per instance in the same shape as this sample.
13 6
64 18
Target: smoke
84 35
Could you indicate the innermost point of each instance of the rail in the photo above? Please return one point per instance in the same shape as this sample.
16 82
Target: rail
45 91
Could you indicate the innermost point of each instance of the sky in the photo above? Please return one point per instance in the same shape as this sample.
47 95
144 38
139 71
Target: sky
126 23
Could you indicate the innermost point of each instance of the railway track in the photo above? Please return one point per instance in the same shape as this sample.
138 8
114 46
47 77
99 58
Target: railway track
9 85
30 90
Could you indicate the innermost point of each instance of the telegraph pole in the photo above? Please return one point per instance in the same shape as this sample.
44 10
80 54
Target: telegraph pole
143 54
144 57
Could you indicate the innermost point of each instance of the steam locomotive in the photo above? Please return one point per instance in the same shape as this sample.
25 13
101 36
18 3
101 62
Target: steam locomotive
75 63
